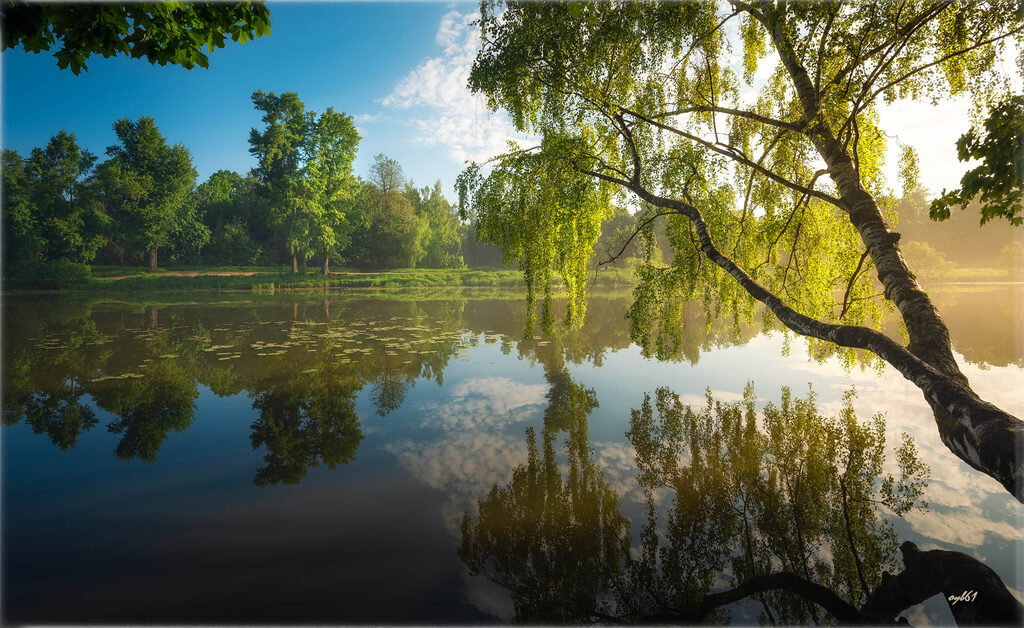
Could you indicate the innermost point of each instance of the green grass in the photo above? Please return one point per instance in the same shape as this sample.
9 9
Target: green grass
268 280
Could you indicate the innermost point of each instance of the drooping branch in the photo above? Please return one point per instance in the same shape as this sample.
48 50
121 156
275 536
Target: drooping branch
739 113
849 285
739 159
903 33
984 436
639 228
783 581
943 59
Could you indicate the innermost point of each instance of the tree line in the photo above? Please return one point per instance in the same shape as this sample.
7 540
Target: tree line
301 204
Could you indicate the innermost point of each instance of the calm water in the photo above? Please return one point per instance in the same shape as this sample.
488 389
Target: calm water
310 458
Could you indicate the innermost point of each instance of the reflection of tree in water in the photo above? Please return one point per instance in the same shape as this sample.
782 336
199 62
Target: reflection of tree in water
304 423
148 409
569 403
58 415
388 392
554 543
786 509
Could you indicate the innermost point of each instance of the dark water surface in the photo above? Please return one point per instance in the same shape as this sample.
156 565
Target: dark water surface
309 458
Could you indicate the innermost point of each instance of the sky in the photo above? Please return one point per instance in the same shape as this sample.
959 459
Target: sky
399 69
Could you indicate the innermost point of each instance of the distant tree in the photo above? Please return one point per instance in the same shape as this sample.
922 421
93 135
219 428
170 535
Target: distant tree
160 32
477 253
329 184
58 178
394 232
237 216
279 152
1012 258
146 186
927 259
386 174
442 233
22 242
188 233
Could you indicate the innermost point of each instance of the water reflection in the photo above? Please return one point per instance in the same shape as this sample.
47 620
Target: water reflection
426 399
303 423
144 365
731 500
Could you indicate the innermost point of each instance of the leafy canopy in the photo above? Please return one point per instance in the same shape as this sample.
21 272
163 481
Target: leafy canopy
997 182
160 32
147 184
641 105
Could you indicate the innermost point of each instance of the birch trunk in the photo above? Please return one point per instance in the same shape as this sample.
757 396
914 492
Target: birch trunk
981 435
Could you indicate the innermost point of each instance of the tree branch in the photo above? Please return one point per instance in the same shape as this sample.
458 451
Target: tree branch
784 581
789 126
952 574
849 285
740 159
943 59
992 438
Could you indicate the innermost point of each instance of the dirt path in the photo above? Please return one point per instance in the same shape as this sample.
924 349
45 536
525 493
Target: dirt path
188 273
216 273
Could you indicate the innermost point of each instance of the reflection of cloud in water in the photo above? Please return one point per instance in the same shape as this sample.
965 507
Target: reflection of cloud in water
478 402
464 466
975 504
700 401
959 528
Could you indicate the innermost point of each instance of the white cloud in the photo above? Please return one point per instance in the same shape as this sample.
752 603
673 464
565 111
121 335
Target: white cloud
369 118
485 402
447 114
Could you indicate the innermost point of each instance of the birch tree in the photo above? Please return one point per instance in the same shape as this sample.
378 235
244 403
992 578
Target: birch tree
772 188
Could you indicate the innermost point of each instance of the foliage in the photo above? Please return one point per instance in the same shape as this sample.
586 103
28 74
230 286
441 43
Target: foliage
927 259
390 234
999 179
442 231
793 492
22 243
58 176
160 32
49 214
773 194
304 166
146 186
329 184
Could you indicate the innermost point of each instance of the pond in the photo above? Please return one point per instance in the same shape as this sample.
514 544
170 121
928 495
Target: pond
313 457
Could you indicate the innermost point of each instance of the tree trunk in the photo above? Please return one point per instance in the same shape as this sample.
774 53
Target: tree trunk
152 260
974 593
324 269
154 316
983 436
295 264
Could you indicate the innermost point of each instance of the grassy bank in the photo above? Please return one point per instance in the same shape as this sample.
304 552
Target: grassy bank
109 280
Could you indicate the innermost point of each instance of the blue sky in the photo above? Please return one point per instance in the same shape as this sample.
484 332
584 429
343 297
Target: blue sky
398 68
